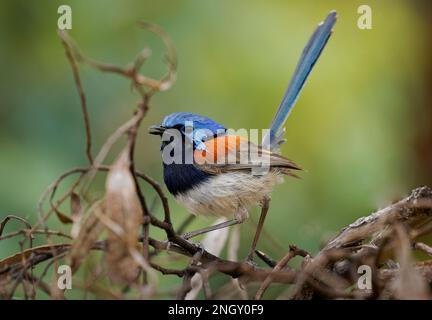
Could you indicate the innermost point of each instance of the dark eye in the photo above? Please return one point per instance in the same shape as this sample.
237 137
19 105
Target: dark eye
179 127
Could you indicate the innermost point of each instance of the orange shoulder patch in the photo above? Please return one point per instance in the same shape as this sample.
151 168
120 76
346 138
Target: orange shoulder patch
220 150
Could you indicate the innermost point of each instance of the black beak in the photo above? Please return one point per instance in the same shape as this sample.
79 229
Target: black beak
156 130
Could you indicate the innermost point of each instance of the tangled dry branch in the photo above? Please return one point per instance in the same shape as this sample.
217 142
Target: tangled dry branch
120 223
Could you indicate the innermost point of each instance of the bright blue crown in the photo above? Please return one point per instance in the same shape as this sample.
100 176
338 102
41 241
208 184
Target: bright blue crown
199 122
209 128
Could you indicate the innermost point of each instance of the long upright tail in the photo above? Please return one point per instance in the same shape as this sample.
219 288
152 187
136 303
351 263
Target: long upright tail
307 61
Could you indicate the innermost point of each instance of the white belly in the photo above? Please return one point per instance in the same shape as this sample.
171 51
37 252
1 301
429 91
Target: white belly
228 194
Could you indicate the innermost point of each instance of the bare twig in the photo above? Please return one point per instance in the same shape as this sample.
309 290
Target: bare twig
423 247
69 54
293 251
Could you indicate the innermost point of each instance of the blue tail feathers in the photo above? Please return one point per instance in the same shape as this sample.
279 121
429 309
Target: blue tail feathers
307 61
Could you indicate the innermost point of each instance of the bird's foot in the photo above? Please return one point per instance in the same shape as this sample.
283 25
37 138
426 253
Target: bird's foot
200 247
187 235
250 260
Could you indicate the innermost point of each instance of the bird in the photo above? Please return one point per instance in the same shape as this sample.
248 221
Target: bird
195 149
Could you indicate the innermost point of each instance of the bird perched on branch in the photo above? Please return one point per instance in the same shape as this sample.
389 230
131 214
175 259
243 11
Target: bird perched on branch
213 172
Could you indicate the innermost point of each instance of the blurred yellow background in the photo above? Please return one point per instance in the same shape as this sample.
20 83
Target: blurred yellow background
361 127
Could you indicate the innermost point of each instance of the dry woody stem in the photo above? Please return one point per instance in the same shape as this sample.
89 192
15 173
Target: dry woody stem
117 235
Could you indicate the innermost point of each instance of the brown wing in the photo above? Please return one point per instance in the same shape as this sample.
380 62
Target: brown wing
236 153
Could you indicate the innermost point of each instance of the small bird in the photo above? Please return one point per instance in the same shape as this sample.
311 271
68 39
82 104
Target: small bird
204 181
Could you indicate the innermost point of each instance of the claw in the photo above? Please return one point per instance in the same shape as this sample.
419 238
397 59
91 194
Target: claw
201 247
250 259
187 235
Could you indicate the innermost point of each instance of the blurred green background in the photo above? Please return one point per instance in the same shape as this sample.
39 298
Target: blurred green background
361 127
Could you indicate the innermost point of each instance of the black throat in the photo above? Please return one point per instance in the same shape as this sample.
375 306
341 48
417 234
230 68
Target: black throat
183 176
180 178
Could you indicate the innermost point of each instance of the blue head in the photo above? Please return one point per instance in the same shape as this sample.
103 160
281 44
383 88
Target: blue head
192 126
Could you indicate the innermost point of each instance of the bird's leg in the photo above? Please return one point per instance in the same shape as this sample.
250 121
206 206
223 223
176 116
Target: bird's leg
240 216
265 204
218 226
